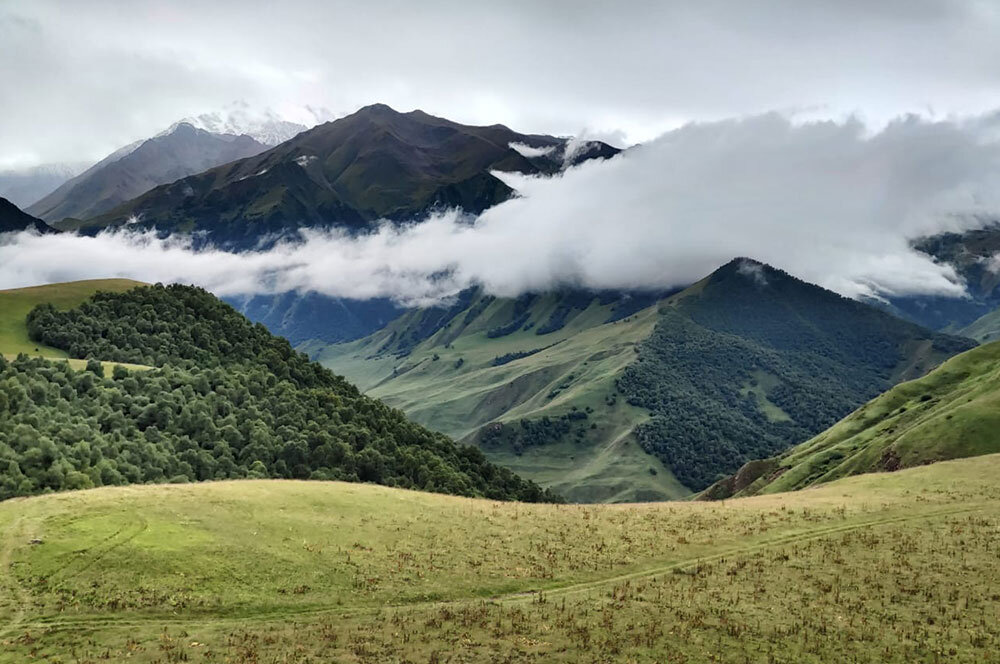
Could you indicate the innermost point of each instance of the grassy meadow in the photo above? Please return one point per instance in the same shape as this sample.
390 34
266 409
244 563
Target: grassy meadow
896 567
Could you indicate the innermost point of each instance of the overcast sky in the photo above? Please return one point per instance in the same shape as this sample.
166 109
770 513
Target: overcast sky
79 78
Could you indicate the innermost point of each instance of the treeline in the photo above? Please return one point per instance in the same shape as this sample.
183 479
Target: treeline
228 400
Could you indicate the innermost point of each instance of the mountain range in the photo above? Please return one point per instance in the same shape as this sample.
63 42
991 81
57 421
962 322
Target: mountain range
373 164
180 151
626 396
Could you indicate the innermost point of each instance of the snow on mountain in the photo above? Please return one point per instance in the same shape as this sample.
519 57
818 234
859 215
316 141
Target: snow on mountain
265 126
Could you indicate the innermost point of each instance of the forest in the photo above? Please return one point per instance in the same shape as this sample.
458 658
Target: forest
757 362
225 400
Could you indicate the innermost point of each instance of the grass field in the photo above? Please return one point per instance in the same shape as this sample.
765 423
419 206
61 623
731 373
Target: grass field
16 304
449 383
877 568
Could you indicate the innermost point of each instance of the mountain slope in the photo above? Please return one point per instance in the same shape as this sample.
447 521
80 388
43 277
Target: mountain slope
531 380
12 219
752 359
974 256
609 397
304 317
135 169
985 328
952 412
226 400
372 164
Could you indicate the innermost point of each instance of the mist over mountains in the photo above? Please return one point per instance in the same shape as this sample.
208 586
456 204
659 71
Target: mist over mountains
832 203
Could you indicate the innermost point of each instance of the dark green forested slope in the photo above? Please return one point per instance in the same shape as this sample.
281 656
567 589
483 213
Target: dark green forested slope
229 400
751 360
951 413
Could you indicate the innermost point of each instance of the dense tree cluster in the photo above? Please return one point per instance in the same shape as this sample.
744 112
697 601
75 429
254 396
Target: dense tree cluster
516 436
824 354
228 400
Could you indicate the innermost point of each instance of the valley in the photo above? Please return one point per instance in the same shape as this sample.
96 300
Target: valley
620 397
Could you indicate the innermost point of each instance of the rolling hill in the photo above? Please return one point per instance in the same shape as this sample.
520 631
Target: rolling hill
894 568
225 399
612 397
952 412
376 163
180 151
12 219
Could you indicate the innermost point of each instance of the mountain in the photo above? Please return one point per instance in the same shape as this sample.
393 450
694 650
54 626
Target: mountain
13 219
209 395
614 396
138 167
951 413
376 163
310 317
24 186
240 119
975 256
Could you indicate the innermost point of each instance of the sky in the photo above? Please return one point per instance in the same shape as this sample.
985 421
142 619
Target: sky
79 78
820 137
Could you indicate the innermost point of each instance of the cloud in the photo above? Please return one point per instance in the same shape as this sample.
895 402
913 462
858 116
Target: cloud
528 151
832 203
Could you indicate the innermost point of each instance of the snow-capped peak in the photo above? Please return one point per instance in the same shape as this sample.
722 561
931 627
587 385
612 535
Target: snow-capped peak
237 118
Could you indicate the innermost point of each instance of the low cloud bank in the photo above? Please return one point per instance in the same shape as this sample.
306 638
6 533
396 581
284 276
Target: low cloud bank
829 202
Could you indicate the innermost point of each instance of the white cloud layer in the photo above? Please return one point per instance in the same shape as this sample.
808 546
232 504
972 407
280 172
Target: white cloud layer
829 202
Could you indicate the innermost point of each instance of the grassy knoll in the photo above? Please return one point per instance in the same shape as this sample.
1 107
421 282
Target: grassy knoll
877 568
952 412
15 305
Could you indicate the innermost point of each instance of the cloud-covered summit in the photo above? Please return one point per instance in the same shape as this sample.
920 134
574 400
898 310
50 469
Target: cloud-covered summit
832 203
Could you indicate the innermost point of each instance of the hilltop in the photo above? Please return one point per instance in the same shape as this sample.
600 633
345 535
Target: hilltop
617 396
890 567
952 412
225 399
16 304
375 163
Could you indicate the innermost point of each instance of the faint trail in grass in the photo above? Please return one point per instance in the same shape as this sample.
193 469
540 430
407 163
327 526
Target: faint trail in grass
94 622
122 536
18 598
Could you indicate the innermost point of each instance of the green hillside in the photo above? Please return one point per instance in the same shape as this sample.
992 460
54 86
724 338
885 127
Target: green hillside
442 367
953 412
17 303
985 328
879 568
227 400
604 397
